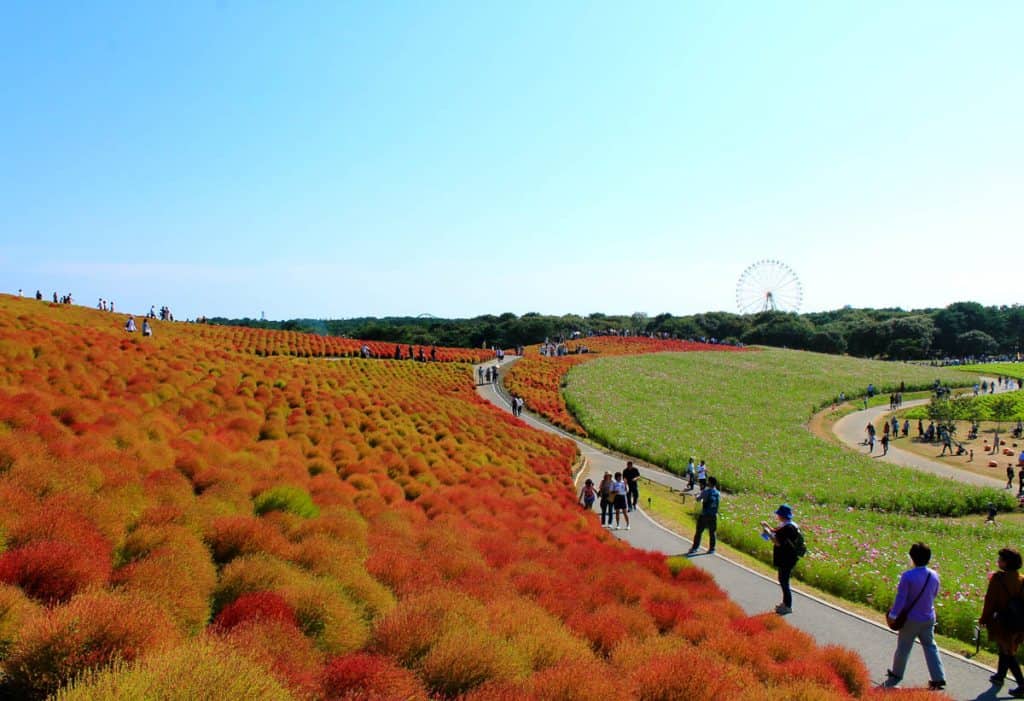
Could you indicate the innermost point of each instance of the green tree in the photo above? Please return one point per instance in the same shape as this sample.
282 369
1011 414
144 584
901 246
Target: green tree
975 343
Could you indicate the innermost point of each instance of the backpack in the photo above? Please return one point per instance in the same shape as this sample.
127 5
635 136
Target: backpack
798 544
1011 618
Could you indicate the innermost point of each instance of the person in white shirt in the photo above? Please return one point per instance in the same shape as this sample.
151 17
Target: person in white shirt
619 491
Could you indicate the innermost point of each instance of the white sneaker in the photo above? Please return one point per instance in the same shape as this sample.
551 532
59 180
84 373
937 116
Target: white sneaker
627 528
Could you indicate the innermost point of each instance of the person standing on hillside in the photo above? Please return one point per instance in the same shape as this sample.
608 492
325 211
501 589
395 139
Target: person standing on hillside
691 474
915 600
1002 586
632 476
787 548
702 475
708 518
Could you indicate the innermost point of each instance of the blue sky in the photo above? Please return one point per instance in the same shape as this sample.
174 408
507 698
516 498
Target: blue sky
348 159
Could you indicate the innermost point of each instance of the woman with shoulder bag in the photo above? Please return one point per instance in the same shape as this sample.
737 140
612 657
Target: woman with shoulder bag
1003 586
913 615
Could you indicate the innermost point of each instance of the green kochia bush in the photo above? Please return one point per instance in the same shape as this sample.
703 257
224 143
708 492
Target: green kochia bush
286 498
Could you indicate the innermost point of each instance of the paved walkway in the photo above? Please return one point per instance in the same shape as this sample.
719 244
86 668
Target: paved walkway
850 429
756 593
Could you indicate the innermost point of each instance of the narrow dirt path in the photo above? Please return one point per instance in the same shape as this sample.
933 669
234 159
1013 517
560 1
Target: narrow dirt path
756 593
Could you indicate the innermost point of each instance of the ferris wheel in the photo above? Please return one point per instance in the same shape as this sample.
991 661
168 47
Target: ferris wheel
768 285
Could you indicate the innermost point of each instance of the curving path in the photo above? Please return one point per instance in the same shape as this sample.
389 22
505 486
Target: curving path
850 431
756 593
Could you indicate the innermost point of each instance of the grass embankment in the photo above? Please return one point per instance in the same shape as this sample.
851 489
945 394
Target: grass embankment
744 413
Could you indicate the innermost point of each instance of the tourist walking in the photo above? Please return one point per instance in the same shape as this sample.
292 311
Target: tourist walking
604 493
702 475
915 604
1004 585
708 518
1009 475
787 548
129 325
691 475
147 330
618 490
632 476
885 443
588 495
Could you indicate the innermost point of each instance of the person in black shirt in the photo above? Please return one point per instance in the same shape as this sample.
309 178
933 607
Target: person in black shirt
632 477
784 553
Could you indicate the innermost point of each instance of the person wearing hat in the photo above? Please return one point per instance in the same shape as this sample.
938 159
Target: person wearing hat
784 552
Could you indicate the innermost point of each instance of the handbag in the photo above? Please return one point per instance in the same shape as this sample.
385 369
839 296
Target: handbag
901 620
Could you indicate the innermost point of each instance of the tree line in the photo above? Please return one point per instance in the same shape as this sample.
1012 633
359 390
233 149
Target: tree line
963 329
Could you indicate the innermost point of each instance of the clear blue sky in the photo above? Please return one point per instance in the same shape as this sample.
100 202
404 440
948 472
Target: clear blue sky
344 159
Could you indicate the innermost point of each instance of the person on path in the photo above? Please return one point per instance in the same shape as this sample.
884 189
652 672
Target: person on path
480 374
604 492
1003 585
906 427
920 429
618 490
1020 479
885 443
1009 475
915 595
632 476
588 495
786 544
691 474
702 475
708 518
871 443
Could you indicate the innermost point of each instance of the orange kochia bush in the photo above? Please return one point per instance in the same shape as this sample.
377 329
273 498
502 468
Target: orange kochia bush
538 379
420 543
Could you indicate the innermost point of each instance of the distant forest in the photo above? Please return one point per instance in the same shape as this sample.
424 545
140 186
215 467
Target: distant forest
963 329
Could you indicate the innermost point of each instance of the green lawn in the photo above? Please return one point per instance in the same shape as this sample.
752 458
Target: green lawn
745 414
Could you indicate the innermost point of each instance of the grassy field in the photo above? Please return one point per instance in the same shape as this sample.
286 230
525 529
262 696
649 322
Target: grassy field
1015 370
745 414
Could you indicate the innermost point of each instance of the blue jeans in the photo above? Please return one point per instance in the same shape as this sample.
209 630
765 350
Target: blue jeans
925 632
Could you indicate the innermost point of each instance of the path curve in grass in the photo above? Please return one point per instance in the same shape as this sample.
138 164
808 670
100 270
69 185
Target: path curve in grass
850 431
756 593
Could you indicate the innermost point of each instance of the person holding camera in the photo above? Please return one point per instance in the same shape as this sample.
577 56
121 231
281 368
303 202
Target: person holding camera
913 615
787 548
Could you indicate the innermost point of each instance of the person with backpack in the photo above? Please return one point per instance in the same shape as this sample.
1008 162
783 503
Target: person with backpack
1003 615
913 615
787 548
708 518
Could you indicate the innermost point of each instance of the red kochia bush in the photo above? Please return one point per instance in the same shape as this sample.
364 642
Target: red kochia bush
257 606
52 571
369 678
